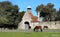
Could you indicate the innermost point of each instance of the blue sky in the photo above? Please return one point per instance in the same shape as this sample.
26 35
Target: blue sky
33 3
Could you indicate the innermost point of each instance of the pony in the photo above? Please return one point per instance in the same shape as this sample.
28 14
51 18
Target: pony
38 28
45 27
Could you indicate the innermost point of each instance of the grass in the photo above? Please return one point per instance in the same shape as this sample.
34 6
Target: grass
29 34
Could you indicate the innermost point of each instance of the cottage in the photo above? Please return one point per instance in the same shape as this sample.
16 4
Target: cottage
28 20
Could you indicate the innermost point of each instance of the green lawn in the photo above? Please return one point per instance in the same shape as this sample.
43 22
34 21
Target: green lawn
29 34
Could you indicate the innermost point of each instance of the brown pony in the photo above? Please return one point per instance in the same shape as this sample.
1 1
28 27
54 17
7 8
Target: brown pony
45 27
38 28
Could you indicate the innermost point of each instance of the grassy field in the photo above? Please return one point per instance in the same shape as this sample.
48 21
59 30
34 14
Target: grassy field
29 34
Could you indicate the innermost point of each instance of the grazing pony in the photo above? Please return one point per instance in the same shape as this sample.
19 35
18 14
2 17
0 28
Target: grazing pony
45 27
38 28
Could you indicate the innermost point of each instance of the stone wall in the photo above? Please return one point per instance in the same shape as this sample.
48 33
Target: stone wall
51 25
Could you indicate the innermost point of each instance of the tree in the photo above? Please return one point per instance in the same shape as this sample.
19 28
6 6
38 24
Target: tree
57 18
9 12
39 7
47 11
3 20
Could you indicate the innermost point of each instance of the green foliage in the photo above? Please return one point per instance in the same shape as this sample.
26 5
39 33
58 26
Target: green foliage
8 12
3 20
58 15
47 11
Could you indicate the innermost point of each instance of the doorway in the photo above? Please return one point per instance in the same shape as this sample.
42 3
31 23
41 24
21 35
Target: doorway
27 25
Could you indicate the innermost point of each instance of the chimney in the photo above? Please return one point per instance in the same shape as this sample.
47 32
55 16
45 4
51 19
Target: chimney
29 9
39 16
